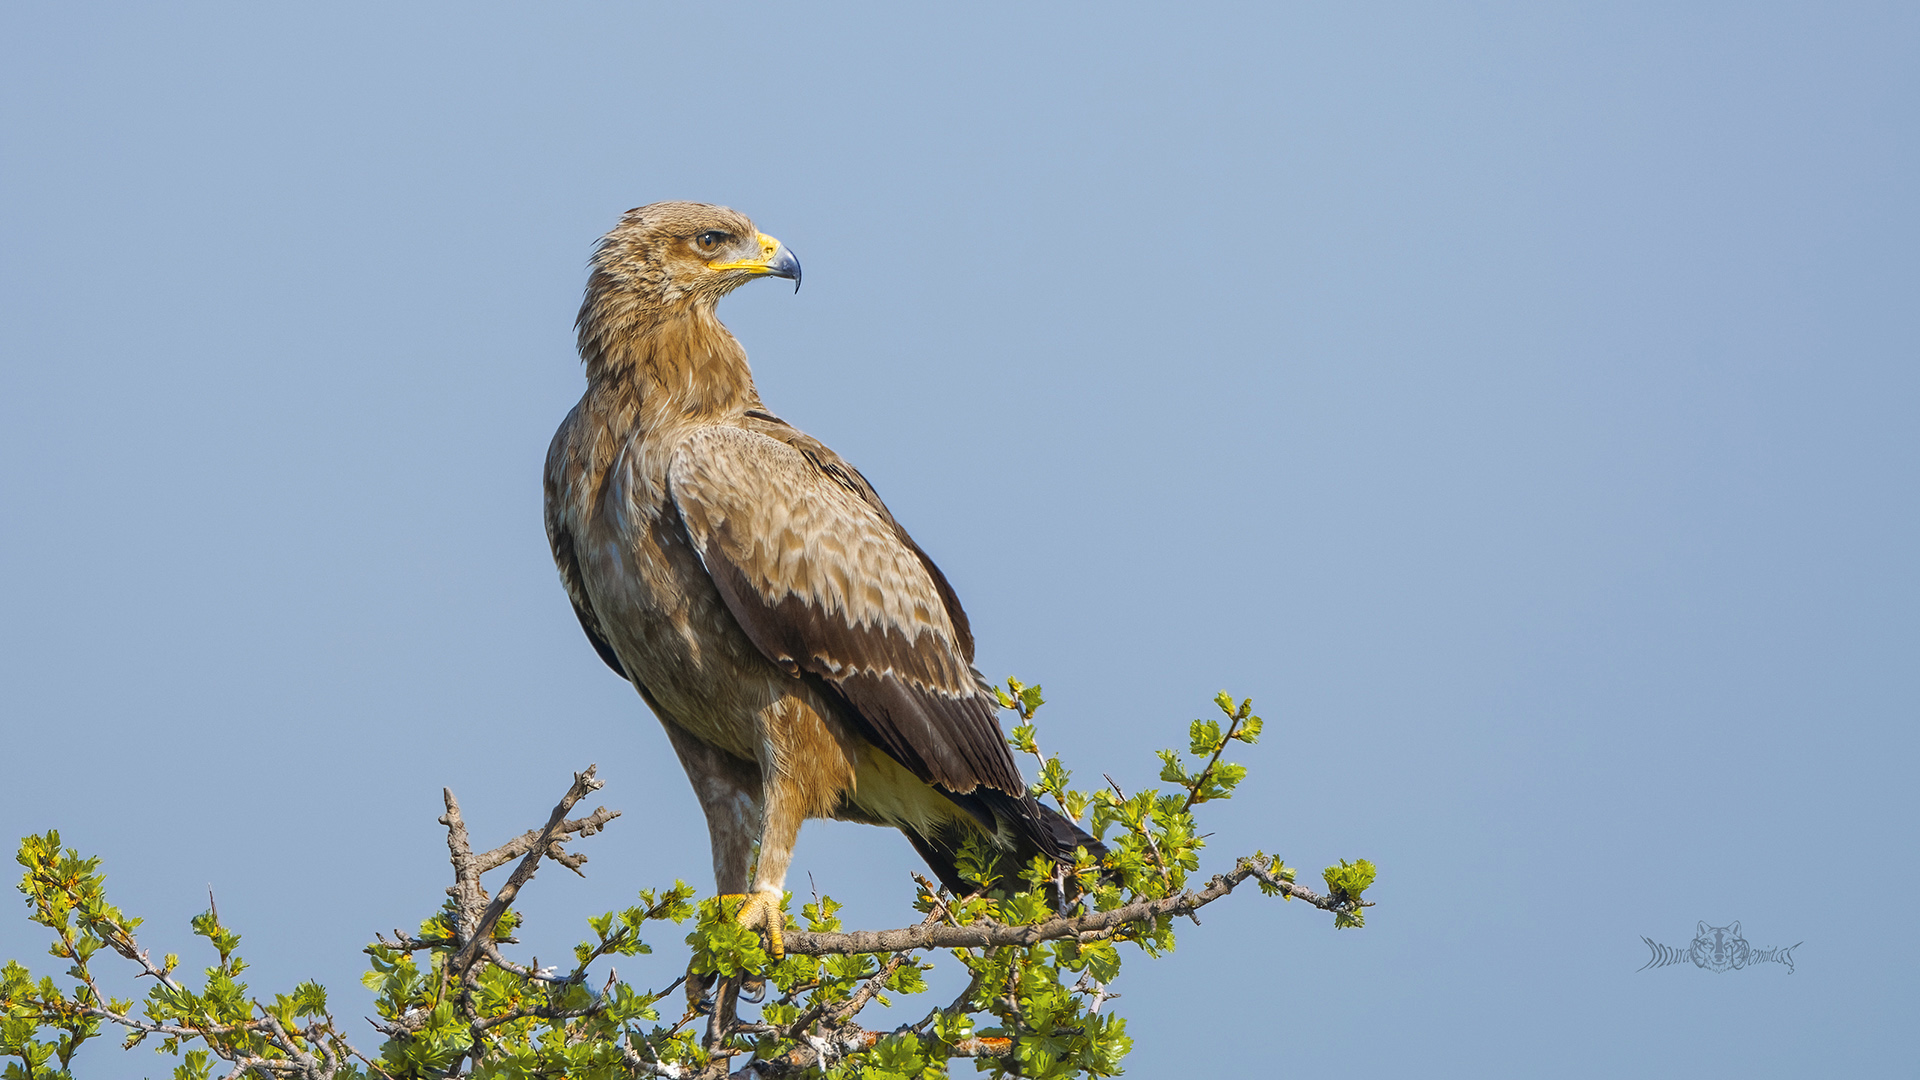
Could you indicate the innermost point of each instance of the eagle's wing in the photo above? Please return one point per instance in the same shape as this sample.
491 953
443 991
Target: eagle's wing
561 476
841 472
826 584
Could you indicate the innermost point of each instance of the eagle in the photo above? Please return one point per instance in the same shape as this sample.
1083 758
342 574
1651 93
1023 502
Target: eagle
805 656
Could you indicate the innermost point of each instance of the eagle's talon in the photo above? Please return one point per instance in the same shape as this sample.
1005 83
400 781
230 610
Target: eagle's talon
761 911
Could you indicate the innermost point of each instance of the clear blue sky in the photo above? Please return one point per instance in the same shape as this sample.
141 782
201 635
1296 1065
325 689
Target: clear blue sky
1518 401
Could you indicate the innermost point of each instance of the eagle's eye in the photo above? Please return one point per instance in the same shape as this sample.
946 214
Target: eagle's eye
711 239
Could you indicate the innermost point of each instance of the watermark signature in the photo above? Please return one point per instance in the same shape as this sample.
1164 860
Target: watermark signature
1718 948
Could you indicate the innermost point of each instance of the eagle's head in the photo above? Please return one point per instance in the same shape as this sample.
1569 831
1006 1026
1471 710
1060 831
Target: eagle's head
670 256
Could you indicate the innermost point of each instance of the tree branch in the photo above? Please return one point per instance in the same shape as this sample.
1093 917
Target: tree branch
468 867
525 842
824 1051
1089 927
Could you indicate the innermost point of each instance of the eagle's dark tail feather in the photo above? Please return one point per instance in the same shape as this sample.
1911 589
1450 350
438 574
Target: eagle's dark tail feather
1035 829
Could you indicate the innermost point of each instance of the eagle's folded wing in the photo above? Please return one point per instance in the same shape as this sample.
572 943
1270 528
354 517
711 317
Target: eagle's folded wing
826 584
559 480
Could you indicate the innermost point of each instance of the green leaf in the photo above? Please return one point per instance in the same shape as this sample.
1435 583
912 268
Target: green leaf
198 1066
820 917
1102 959
1346 882
1022 739
907 979
1030 700
309 999
977 861
1204 738
1054 777
1349 880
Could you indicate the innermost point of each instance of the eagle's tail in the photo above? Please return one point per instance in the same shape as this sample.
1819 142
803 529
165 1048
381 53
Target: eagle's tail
1024 828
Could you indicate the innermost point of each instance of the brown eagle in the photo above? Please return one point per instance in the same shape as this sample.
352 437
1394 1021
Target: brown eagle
806 658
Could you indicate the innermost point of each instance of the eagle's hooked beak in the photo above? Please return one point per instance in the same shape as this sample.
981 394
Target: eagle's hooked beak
775 261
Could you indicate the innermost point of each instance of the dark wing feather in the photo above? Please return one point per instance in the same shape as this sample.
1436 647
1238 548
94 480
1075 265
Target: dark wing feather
827 585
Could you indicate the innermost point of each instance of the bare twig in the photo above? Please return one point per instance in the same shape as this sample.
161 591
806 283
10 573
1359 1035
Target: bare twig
537 974
405 942
371 1064
121 940
1096 989
642 1066
468 896
285 1043
525 842
468 866
872 986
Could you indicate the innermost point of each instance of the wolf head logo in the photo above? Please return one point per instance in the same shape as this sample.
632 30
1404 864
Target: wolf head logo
1720 948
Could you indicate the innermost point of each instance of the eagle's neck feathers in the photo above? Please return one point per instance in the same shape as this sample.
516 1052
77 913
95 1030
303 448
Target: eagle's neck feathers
668 367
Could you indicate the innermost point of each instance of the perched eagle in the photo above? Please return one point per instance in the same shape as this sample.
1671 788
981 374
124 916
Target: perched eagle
806 658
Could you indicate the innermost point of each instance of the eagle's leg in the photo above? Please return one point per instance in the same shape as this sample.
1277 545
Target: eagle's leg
805 768
780 828
729 792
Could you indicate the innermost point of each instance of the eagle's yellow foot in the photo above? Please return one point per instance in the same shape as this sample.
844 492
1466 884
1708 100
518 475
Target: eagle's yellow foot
761 911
